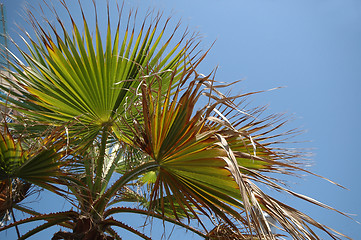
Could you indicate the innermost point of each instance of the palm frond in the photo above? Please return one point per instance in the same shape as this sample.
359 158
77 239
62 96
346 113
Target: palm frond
67 78
207 164
36 165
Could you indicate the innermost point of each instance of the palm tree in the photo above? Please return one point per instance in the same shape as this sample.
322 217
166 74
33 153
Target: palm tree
122 105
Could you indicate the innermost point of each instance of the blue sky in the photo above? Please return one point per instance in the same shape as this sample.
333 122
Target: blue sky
310 46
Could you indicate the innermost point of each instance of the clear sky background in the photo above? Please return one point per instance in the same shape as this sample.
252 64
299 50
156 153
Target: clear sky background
313 47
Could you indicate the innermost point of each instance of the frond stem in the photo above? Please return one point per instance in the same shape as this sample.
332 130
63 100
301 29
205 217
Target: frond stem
102 202
16 227
100 160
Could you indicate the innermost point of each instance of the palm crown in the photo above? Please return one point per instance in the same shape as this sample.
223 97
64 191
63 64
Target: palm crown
94 107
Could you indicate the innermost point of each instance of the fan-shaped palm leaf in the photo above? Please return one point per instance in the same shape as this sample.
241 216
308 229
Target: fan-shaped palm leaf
36 165
68 78
20 168
206 164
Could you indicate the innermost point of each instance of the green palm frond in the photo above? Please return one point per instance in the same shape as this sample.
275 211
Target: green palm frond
67 78
191 168
12 155
39 165
206 164
20 168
